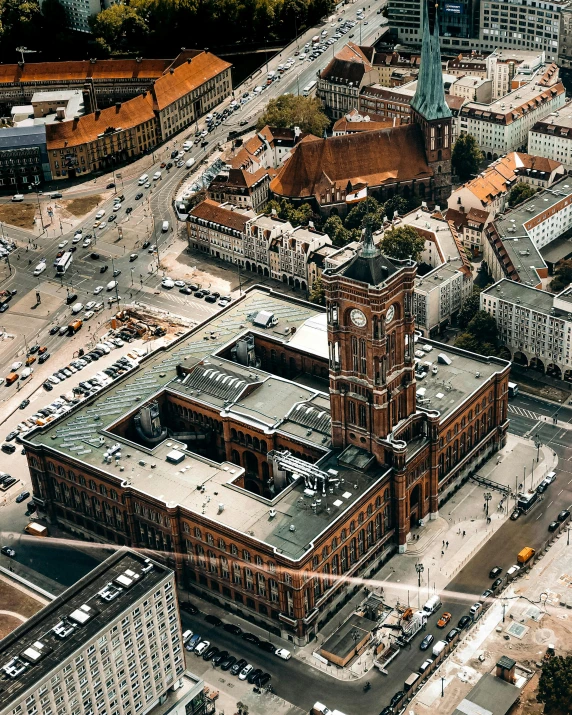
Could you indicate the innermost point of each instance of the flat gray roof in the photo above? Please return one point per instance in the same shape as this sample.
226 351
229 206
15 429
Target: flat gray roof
490 696
22 643
533 299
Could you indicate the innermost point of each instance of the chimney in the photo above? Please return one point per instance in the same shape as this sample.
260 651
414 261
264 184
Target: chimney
97 113
117 106
171 70
505 669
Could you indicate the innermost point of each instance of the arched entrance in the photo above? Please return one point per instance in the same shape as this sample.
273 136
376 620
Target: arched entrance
554 371
250 462
415 506
520 358
537 364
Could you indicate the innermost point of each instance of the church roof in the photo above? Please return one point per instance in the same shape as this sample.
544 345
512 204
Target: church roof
429 100
373 158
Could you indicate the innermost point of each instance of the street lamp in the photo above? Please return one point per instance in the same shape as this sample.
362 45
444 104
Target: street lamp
442 686
488 497
537 444
419 568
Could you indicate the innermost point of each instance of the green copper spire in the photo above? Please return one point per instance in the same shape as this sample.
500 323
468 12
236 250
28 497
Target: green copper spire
368 248
429 99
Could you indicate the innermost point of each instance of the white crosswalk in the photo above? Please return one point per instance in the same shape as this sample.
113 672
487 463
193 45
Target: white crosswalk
525 413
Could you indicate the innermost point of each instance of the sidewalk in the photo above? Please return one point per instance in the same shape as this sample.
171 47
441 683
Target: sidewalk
258 704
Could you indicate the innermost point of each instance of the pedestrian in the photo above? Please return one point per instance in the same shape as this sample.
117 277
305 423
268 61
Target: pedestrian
443 542
464 533
447 544
442 553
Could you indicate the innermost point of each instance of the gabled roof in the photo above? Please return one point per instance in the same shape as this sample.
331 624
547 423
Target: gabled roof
348 65
373 158
211 211
60 135
179 81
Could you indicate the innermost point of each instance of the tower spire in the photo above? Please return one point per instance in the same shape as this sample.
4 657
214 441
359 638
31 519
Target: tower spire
429 100
368 249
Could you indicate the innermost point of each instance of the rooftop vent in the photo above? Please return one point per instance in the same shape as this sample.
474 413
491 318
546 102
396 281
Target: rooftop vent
110 592
63 629
292 527
272 513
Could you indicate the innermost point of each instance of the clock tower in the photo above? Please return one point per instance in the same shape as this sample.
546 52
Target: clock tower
371 346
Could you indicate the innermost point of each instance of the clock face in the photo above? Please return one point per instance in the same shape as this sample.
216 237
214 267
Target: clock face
358 318
390 314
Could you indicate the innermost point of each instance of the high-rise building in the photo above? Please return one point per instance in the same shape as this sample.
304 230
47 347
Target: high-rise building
111 644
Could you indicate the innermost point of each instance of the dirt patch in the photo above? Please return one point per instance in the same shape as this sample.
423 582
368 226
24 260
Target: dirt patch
20 215
81 207
17 604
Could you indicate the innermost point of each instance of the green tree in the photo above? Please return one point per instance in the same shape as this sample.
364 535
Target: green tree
289 111
555 685
563 276
20 24
120 26
481 335
466 156
355 216
318 294
470 308
297 215
396 203
336 231
519 193
403 242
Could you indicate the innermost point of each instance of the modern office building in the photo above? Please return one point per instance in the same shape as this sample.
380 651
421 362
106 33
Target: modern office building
111 643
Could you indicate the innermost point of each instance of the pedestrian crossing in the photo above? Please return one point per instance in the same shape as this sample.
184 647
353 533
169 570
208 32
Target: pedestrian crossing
525 413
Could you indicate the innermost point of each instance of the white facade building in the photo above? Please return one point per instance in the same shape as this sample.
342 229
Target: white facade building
552 137
110 643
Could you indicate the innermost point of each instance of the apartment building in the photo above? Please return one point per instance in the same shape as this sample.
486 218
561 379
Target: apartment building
489 190
111 643
218 230
552 137
340 82
470 227
503 125
290 252
246 189
258 237
79 12
534 325
473 89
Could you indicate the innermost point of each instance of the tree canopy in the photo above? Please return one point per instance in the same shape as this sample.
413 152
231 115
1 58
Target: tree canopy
318 294
297 215
470 308
519 193
402 242
481 335
562 277
289 110
555 685
466 157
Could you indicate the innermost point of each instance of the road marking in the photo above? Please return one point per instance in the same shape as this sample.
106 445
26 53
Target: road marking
538 517
551 503
560 492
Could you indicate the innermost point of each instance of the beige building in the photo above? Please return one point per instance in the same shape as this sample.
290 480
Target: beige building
340 82
552 137
110 643
218 230
243 188
473 89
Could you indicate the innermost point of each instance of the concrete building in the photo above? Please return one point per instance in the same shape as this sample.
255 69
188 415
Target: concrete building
503 125
552 137
470 227
78 12
340 82
110 643
473 89
534 325
218 230
23 157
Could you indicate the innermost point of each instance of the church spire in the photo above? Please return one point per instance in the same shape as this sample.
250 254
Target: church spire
429 100
368 248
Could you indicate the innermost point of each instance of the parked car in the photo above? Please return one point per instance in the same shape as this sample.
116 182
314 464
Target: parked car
515 514
238 666
254 674
211 652
550 477
494 572
564 514
423 667
8 448
22 497
228 662
231 628
496 584
445 618
24 404
9 552
245 672
426 642
267 646
251 638
553 525
219 657
396 698
202 646
283 653
213 620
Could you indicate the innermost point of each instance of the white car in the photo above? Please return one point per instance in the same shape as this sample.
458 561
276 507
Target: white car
97 290
147 185
77 238
16 366
97 307
86 243
111 285
26 373
204 133
167 283
118 342
103 224
180 284
114 299
202 646
63 244
88 315
245 672
283 653
117 207
90 305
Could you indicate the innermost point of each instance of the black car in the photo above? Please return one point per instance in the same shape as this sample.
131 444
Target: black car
103 269
11 435
34 349
4 307
43 358
116 272
251 638
220 657
210 299
227 663
486 594
451 635
7 551
213 620
494 572
205 291
24 404
564 514
8 482
111 218
396 698
254 675
95 256
22 497
169 165
496 583
262 680
216 295
8 448
267 646
464 622
186 290
54 330
48 386
138 196
72 297
111 185
211 652
542 487
128 210
231 628
198 294
515 514
174 154
73 249
193 286
238 666
387 711
146 244
426 642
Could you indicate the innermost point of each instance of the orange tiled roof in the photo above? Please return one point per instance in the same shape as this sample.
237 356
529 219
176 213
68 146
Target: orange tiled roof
345 125
60 135
83 70
210 211
179 81
373 158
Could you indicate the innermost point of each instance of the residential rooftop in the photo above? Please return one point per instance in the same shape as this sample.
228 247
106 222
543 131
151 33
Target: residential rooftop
534 299
35 644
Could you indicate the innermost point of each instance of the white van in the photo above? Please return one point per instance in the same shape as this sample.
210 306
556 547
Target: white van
156 176
187 146
475 611
143 179
76 308
283 653
111 285
40 268
432 605
189 163
18 197
165 226
202 646
438 648
99 215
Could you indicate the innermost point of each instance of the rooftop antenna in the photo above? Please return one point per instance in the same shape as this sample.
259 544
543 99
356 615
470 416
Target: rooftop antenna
24 50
